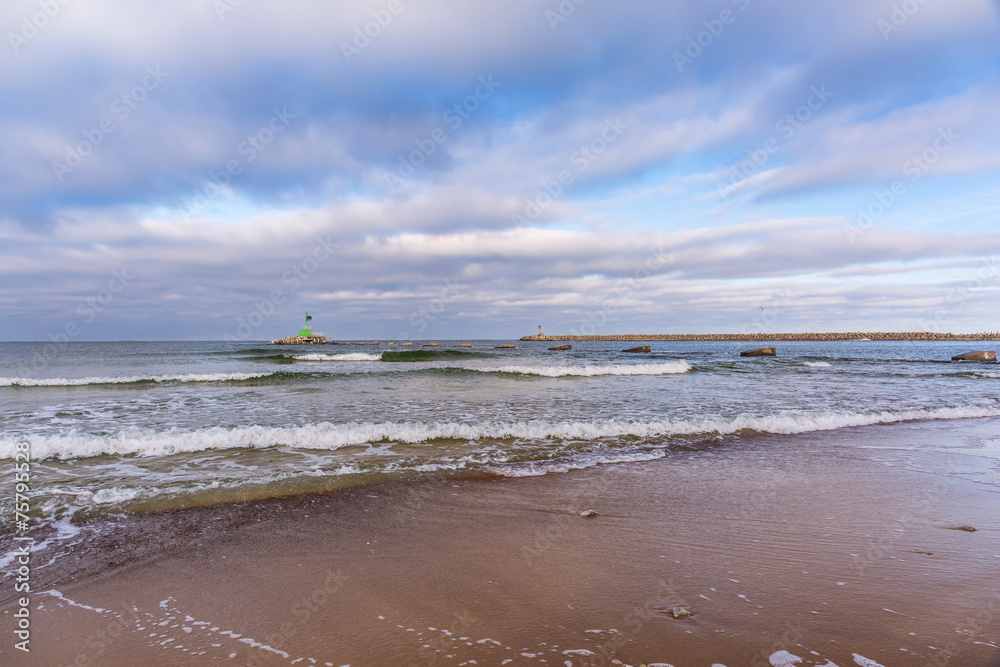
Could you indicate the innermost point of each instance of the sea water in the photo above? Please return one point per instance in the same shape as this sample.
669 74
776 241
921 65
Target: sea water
138 426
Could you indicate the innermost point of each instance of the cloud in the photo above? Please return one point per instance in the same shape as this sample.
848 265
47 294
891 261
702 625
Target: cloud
251 135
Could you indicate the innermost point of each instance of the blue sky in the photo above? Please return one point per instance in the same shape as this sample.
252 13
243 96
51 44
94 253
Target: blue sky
212 169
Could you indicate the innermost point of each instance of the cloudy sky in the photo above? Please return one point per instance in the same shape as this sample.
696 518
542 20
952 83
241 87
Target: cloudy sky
203 169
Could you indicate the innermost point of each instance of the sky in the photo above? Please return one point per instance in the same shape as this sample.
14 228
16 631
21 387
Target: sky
213 169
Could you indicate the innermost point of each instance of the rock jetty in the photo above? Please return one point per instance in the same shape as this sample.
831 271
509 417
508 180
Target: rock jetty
854 335
303 340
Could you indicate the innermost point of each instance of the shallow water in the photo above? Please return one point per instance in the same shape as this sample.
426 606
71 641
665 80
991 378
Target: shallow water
135 426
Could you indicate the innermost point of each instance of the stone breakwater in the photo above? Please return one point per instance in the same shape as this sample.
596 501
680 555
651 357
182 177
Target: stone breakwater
855 335
302 340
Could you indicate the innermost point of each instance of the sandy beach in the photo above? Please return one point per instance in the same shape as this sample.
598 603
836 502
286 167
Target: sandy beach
833 547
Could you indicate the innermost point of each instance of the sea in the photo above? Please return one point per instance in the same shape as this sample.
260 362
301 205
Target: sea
129 427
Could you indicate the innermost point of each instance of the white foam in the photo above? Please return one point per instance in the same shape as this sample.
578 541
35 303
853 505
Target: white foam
578 463
984 374
784 659
817 364
327 436
865 662
114 495
664 368
56 594
130 379
354 356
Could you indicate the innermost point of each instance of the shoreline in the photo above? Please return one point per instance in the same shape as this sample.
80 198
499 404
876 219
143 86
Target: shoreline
815 337
809 544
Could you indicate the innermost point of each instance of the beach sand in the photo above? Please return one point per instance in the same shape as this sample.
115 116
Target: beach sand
831 546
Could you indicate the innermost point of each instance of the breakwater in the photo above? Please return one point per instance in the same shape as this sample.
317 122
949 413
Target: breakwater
855 335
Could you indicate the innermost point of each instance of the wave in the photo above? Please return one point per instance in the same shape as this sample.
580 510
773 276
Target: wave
352 356
817 364
427 355
666 368
131 379
992 376
328 436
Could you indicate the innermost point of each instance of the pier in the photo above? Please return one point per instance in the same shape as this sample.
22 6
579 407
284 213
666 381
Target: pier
856 335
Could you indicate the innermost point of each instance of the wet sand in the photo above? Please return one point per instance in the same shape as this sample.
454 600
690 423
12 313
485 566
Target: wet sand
834 547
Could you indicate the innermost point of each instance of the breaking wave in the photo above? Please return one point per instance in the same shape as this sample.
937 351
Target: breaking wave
328 436
666 368
351 356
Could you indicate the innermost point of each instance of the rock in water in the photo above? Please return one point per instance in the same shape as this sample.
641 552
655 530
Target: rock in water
588 513
762 352
641 348
679 612
562 347
982 355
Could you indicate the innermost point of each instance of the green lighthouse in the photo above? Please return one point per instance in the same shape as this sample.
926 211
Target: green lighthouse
306 332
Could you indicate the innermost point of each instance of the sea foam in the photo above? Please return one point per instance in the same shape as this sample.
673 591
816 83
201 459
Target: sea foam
328 436
353 356
665 368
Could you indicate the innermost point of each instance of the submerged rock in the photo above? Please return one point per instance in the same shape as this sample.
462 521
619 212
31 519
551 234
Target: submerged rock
761 352
982 355
588 513
968 529
680 612
641 348
562 347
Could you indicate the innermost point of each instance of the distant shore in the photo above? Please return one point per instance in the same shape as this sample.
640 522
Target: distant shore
856 335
